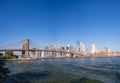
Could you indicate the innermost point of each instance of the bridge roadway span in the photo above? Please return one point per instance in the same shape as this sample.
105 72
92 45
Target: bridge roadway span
38 50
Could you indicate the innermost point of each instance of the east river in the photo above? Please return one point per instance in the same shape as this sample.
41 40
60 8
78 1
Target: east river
65 70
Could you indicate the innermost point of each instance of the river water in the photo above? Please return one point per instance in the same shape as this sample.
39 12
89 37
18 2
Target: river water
65 70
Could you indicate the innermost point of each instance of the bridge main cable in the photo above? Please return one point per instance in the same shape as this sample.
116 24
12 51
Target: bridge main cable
11 44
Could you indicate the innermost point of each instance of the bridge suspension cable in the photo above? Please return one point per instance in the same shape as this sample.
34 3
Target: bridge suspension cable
33 44
12 45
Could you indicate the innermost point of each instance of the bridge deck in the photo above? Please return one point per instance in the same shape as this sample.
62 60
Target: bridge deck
38 50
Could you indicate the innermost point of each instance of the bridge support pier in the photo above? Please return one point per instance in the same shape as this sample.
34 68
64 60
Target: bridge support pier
25 47
42 53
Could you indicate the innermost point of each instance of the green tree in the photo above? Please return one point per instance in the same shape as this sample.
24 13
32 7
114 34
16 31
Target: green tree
9 53
3 70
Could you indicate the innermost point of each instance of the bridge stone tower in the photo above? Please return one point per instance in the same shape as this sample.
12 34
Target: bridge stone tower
25 47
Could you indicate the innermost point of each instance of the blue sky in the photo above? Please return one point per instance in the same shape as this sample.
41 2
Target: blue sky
61 22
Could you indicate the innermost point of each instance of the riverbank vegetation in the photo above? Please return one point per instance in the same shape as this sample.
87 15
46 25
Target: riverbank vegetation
3 70
8 55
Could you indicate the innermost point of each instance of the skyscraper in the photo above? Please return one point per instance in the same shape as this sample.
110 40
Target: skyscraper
81 47
93 48
78 45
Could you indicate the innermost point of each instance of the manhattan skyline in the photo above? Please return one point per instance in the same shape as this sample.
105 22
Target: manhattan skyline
61 22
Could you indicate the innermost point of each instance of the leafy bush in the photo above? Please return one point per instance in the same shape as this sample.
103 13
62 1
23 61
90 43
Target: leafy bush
9 55
9 52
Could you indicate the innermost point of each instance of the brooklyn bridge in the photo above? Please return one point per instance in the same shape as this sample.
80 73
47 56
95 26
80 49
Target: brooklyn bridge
28 49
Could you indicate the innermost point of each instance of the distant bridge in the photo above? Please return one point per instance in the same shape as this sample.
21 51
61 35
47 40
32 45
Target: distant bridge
27 47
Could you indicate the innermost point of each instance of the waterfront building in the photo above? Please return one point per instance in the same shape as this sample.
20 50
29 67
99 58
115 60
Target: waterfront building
93 48
71 47
59 47
81 47
105 50
68 47
63 48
